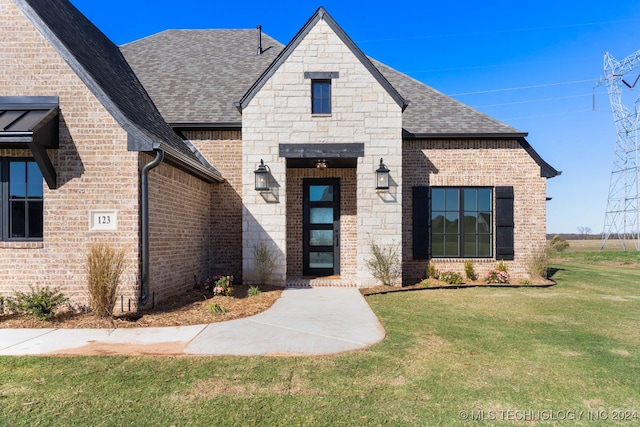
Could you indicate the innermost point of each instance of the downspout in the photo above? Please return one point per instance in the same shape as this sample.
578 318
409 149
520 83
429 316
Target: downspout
144 213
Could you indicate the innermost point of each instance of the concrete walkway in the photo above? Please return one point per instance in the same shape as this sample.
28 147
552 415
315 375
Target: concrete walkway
304 321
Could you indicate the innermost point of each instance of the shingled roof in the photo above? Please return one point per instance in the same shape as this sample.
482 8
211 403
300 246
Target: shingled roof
101 66
196 76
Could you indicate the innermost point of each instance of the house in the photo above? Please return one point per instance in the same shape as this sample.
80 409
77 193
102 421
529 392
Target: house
189 148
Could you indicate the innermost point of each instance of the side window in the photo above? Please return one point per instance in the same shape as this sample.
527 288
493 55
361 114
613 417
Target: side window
461 222
321 96
21 200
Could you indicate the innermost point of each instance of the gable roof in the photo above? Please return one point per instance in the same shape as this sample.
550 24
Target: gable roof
212 69
101 66
195 76
321 15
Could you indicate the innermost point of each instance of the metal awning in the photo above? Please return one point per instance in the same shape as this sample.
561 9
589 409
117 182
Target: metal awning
31 122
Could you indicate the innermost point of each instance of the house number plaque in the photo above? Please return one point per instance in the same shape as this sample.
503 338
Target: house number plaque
103 220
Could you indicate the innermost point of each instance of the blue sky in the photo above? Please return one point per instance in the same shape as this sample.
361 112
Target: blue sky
532 65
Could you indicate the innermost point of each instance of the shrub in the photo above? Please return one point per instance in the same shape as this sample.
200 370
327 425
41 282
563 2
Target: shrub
40 303
254 291
217 309
432 272
558 244
265 261
220 285
385 263
501 265
538 264
469 270
104 268
497 276
1 304
451 278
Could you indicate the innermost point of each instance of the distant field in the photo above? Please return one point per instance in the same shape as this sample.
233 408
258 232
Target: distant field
594 245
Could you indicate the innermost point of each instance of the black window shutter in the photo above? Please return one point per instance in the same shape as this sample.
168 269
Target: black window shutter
504 223
421 224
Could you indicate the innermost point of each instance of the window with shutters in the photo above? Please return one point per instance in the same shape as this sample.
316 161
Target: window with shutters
453 222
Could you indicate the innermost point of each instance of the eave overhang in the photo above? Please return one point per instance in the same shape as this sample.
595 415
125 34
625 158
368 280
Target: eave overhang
546 170
31 122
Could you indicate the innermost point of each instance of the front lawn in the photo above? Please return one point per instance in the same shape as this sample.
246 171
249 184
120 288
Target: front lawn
563 355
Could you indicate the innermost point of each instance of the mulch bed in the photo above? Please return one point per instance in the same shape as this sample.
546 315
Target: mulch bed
433 284
191 308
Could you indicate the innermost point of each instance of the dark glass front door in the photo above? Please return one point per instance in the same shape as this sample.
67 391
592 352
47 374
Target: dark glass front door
321 226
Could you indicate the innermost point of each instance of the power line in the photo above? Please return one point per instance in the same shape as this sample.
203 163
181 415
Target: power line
535 100
522 87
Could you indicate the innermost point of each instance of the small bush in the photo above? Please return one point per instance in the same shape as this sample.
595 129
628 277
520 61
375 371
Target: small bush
40 303
558 244
432 272
469 270
254 291
501 265
385 263
217 309
104 268
451 278
497 276
265 261
220 285
1 304
538 265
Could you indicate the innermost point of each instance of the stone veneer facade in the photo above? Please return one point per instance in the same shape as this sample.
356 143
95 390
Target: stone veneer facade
488 163
362 111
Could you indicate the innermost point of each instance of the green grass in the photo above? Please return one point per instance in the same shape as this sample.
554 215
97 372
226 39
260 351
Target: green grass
491 352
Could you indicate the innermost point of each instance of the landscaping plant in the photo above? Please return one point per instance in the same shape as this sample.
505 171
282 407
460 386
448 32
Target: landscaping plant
451 278
220 285
469 270
265 261
104 269
40 303
385 263
432 272
254 291
538 264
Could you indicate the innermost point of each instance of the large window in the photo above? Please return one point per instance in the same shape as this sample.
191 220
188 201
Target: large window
461 222
21 200
321 96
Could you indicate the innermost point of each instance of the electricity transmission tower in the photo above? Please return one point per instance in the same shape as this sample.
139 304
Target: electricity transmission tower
622 218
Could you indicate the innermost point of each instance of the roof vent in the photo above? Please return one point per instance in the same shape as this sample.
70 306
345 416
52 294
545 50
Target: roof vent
260 40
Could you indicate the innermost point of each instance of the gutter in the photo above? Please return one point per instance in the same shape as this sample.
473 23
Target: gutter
144 213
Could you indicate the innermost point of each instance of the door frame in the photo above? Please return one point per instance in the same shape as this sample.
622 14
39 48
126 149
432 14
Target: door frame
307 227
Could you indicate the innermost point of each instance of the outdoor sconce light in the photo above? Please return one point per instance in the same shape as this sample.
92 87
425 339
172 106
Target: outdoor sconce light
382 177
262 177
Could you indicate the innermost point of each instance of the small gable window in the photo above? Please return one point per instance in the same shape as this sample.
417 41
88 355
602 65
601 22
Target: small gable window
321 90
21 199
321 97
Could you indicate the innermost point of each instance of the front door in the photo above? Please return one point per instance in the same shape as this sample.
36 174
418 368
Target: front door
321 226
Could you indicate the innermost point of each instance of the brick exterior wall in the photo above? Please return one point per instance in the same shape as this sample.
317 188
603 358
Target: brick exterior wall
223 149
362 112
180 234
348 219
95 170
477 163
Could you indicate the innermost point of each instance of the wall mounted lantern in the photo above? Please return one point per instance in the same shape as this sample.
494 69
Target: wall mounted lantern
262 177
382 177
